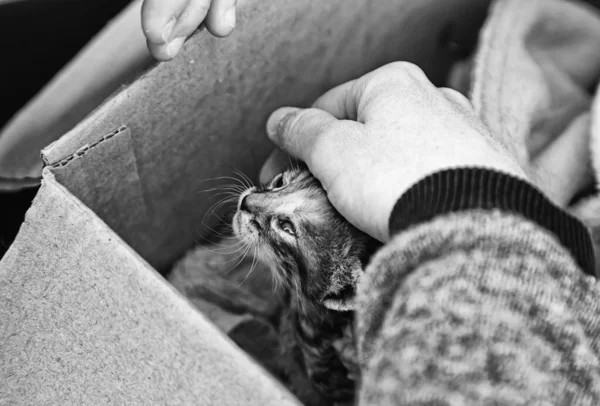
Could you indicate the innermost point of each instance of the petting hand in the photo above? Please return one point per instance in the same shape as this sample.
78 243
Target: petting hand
168 23
371 139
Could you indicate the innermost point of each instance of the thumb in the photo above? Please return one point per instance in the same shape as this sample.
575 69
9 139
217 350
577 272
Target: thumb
296 130
276 163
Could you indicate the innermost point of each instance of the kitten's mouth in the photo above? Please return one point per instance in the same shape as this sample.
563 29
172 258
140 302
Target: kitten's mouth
244 226
256 225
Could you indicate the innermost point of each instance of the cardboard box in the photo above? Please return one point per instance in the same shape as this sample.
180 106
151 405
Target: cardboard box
85 314
113 56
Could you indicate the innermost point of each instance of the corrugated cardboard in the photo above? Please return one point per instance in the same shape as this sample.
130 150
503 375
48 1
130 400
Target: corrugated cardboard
85 318
114 57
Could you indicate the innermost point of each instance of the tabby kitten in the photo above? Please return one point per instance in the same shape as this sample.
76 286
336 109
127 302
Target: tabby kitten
318 257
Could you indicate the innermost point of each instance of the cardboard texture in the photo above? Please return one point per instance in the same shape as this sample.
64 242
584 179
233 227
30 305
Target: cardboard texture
85 320
84 317
114 57
109 164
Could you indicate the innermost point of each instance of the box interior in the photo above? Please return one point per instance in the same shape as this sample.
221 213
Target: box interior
141 158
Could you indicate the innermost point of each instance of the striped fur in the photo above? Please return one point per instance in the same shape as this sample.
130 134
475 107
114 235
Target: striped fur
318 257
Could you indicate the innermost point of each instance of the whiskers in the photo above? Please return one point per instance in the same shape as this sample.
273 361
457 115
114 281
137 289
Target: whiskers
282 281
294 164
276 280
245 180
297 290
246 246
254 264
231 252
227 196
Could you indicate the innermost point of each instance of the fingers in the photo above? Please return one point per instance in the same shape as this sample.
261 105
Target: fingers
340 102
159 22
296 131
168 23
276 163
220 20
383 94
457 98
190 19
159 18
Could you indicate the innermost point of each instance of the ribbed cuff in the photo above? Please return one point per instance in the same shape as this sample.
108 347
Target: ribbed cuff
463 189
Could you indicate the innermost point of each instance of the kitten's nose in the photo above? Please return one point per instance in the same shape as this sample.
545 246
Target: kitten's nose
244 204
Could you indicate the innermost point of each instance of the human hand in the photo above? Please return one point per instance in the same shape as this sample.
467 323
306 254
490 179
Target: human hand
168 23
369 140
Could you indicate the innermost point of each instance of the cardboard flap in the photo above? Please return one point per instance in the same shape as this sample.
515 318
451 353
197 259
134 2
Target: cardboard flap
110 163
116 55
84 320
202 115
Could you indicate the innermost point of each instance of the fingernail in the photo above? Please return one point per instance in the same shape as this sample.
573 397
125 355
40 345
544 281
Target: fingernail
168 30
229 17
174 46
276 119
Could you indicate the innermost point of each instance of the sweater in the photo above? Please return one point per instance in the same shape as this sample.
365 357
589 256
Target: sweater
476 301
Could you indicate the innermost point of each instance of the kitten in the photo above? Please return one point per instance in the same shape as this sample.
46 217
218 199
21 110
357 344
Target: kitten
318 257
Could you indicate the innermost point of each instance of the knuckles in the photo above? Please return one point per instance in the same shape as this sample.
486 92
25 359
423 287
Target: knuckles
404 68
394 79
399 72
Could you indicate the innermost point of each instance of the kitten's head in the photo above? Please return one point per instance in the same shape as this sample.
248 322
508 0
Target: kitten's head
307 244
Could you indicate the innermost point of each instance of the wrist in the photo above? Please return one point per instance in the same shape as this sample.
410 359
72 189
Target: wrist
468 188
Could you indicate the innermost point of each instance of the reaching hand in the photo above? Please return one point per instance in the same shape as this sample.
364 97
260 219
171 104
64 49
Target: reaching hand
168 23
369 140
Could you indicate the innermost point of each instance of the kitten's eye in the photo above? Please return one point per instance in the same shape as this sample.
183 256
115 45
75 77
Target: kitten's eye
287 226
277 182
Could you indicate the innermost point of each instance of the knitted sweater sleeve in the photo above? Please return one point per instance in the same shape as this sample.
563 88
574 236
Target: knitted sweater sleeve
479 305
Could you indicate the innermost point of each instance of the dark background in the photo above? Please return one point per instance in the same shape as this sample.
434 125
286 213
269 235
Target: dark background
37 38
